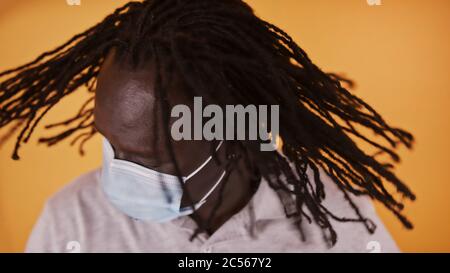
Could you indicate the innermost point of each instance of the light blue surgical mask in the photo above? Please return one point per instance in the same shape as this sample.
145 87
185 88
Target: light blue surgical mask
139 193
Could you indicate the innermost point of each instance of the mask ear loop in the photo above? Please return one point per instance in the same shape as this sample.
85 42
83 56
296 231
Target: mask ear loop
203 200
203 165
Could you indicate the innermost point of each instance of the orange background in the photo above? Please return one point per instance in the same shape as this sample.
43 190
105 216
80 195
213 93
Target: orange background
397 52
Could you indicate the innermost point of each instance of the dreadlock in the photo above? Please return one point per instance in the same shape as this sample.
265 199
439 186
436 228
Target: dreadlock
224 52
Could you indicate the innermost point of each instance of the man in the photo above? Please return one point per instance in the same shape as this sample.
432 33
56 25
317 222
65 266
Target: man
157 194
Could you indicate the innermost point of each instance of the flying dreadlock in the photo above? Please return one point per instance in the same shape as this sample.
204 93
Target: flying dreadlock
227 54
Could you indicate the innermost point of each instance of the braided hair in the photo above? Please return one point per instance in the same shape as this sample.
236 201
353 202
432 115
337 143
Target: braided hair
225 53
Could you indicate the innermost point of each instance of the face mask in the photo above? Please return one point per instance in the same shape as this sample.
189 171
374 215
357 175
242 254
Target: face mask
145 194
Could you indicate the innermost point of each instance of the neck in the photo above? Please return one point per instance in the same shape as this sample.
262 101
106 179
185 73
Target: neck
238 191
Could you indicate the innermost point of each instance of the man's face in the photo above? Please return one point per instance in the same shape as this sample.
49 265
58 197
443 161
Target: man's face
125 104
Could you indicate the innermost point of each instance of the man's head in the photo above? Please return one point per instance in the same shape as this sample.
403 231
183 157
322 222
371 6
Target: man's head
148 56
127 112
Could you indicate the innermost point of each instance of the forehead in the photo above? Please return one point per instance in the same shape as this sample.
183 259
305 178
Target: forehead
126 107
124 100
125 95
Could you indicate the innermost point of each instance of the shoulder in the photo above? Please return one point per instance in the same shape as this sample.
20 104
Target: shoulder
64 212
353 236
83 187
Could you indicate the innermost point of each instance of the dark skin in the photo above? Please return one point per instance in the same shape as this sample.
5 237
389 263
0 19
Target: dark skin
124 114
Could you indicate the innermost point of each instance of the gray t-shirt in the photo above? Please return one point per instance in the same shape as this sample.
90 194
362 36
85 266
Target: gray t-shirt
79 218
